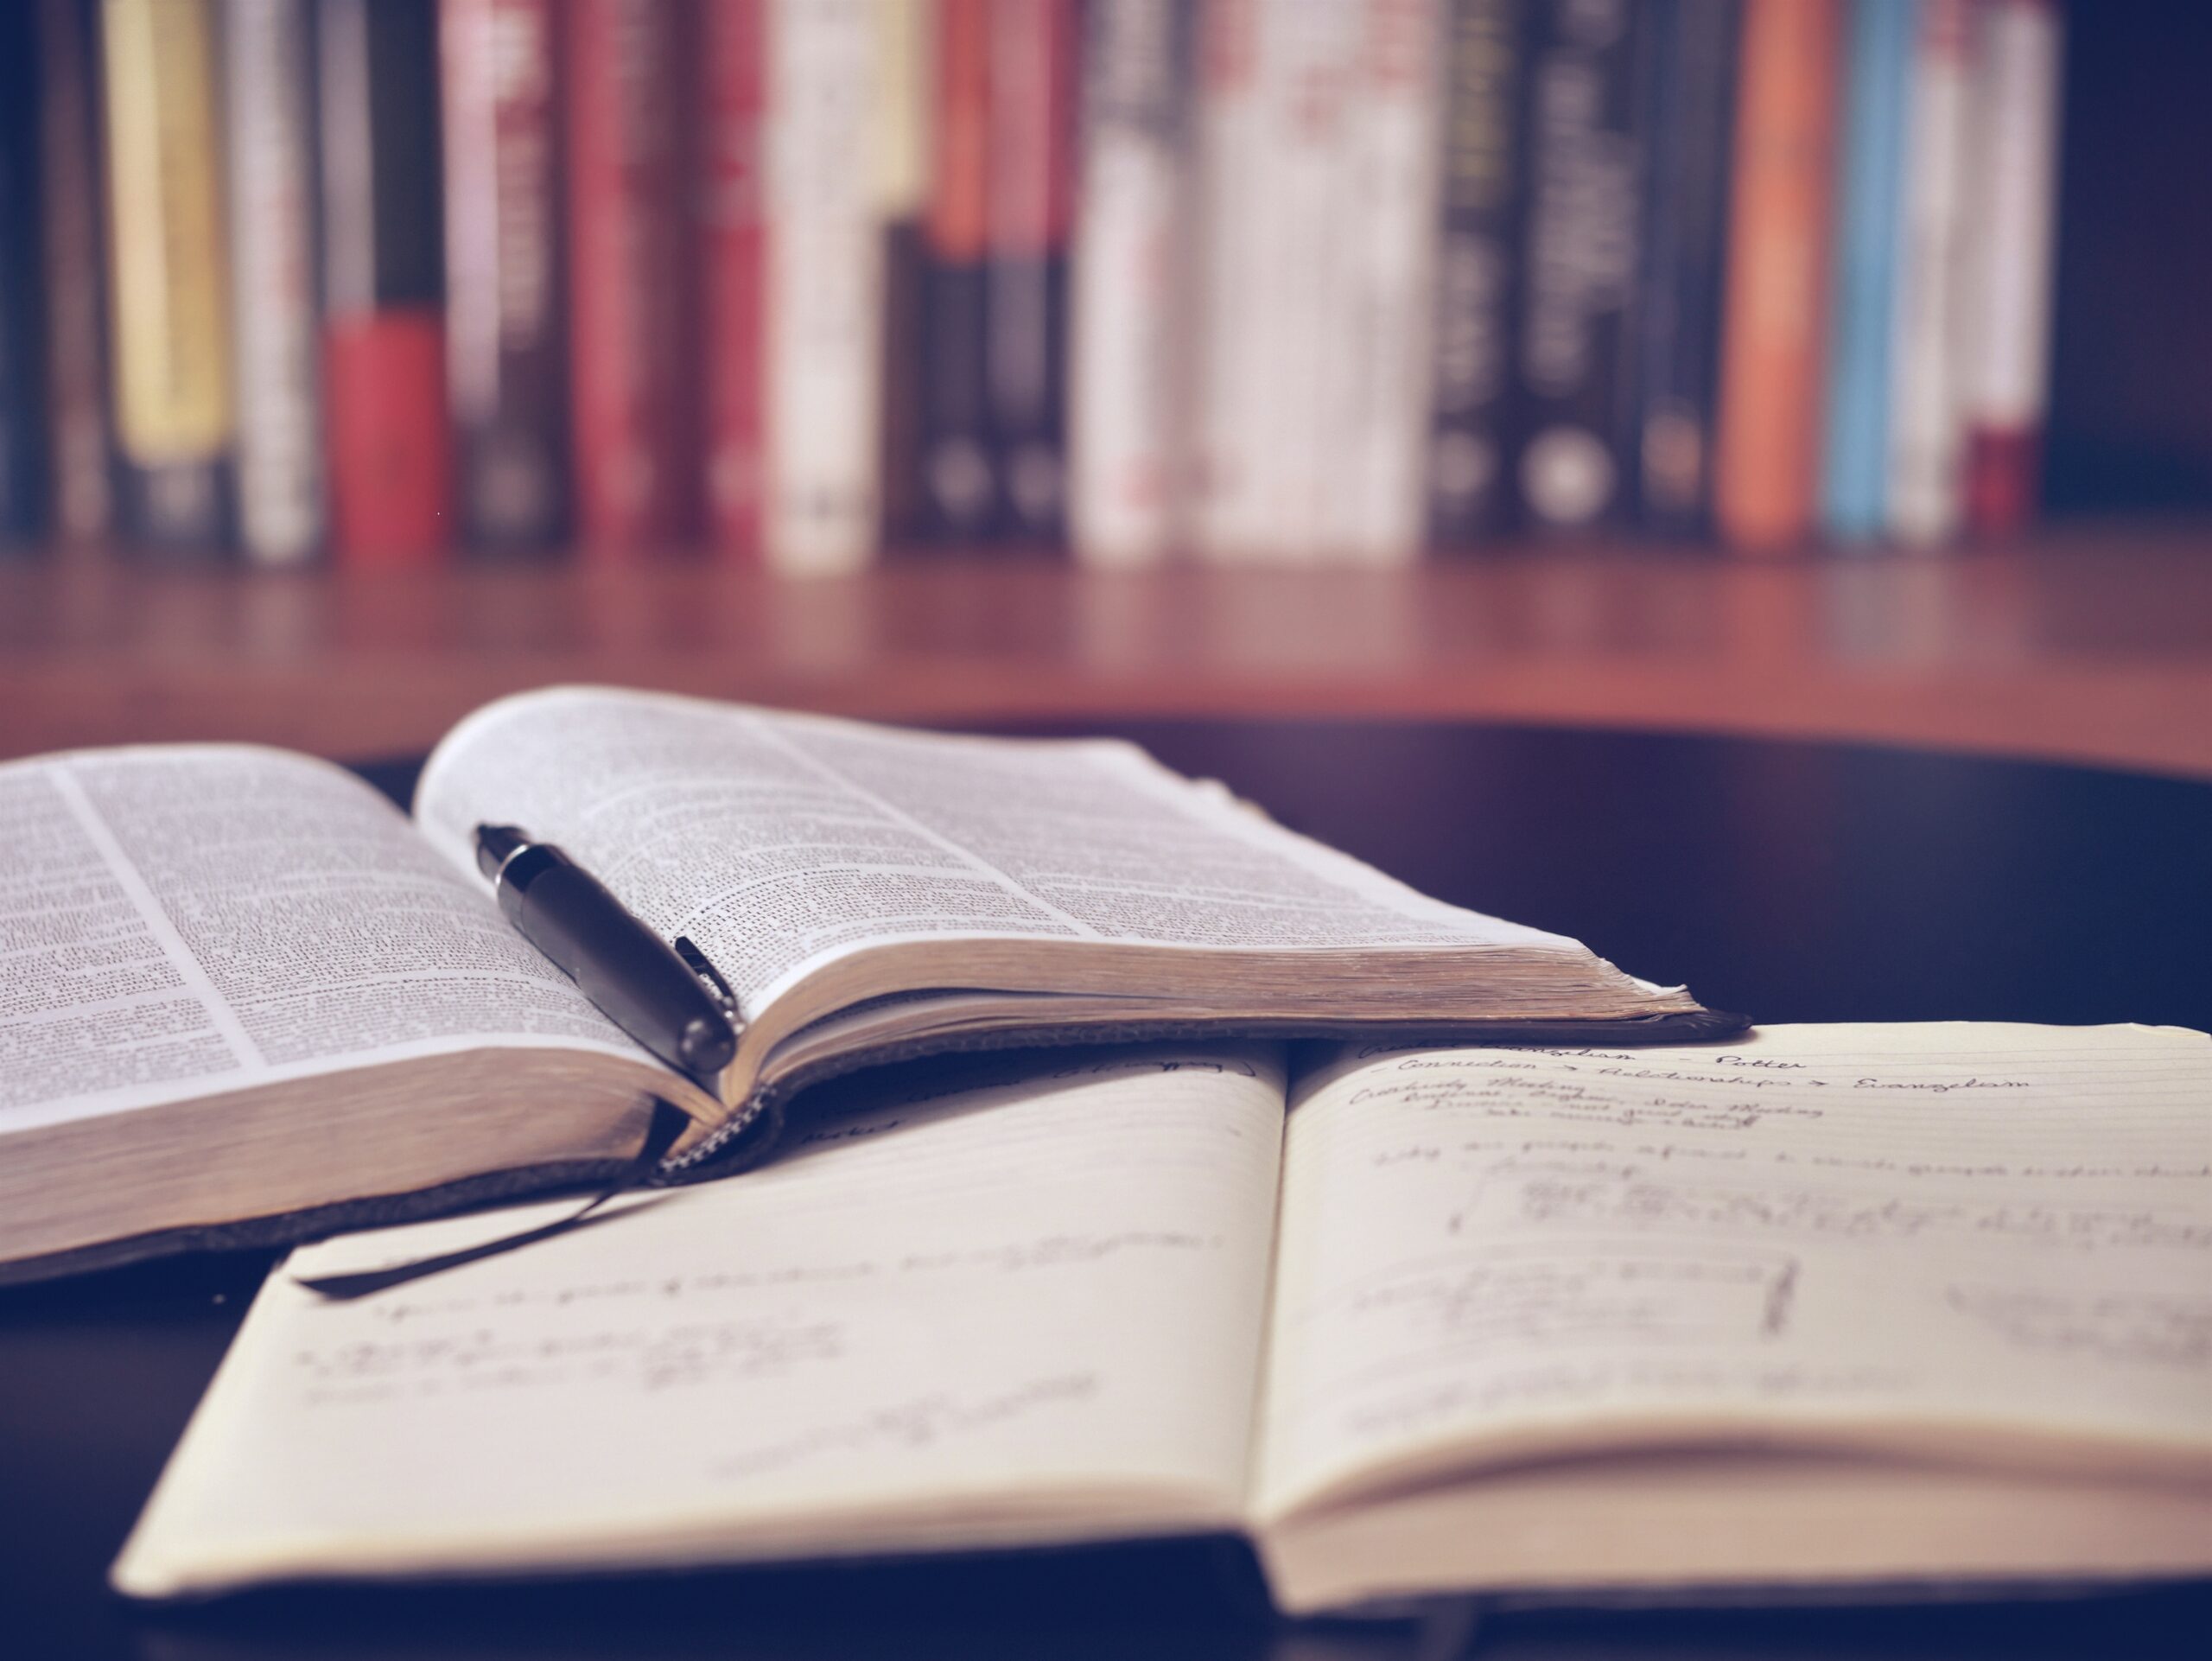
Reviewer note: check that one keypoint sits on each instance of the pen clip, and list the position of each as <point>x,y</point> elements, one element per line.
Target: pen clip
<point>709,976</point>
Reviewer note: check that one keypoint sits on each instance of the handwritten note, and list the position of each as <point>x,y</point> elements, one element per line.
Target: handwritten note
<point>1005,1306</point>
<point>2004,1227</point>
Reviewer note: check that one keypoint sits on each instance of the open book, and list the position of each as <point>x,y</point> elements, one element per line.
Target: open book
<point>1857,1307</point>
<point>243,998</point>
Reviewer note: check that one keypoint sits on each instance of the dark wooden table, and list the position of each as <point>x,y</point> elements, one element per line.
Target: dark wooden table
<point>1795,881</point>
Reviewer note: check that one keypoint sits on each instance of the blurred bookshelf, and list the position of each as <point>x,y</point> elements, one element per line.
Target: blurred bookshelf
<point>456,509</point>
<point>2090,642</point>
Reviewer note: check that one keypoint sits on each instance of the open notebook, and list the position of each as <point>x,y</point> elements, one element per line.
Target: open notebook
<point>243,999</point>
<point>1857,1307</point>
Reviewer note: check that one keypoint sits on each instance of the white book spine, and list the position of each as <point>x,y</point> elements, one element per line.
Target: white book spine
<point>1927,413</point>
<point>824,287</point>
<point>1227,440</point>
<point>2019,48</point>
<point>1376,399</point>
<point>1126,400</point>
<point>271,181</point>
<point>1307,51</point>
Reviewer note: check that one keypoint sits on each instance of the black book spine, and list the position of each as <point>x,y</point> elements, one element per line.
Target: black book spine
<point>906,273</point>
<point>1689,83</point>
<point>1470,495</point>
<point>1032,126</point>
<point>1581,254</point>
<point>23,421</point>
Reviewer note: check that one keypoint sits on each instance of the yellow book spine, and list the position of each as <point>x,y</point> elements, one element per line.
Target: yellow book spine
<point>173,394</point>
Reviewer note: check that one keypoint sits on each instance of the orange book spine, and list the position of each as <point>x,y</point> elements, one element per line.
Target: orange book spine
<point>1766,482</point>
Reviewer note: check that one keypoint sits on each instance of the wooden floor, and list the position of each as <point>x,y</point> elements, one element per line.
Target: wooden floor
<point>2090,643</point>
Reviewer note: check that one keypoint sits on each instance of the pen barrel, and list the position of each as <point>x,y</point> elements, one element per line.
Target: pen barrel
<point>622,966</point>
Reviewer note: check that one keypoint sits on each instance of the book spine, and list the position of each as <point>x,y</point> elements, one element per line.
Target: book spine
<point>825,288</point>
<point>1031,168</point>
<point>382,281</point>
<point>268,68</point>
<point>499,71</point>
<point>2006,314</point>
<point>1690,94</point>
<point>1376,397</point>
<point>80,455</point>
<point>1580,258</point>
<point>1477,271</point>
<point>1855,470</point>
<point>1766,462</point>
<point>903,151</point>
<point>632,270</point>
<point>959,479</point>
<point>733,254</point>
<point>1124,350</point>
<point>23,376</point>
<point>167,278</point>
<point>1228,482</point>
<point>1927,414</point>
<point>1302,197</point>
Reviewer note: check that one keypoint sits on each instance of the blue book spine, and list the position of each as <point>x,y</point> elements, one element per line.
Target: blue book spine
<point>1855,465</point>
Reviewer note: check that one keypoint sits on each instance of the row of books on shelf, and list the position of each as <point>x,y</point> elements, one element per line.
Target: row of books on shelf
<point>798,280</point>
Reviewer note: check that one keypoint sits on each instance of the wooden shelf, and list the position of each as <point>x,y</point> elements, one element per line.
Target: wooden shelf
<point>2091,643</point>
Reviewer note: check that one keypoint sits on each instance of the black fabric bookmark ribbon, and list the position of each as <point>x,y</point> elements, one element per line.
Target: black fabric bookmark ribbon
<point>667,1124</point>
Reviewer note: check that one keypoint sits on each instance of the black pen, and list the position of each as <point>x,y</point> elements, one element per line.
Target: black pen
<point>671,1000</point>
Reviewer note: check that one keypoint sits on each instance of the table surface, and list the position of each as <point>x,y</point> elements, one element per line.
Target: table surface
<point>1792,880</point>
<point>2086,642</point>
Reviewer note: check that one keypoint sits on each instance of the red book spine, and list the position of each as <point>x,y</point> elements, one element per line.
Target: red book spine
<point>734,255</point>
<point>632,340</point>
<point>505,320</point>
<point>390,441</point>
<point>391,461</point>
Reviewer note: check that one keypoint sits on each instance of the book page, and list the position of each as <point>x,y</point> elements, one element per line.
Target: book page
<point>180,920</point>
<point>1004,1307</point>
<point>1946,1238</point>
<point>778,841</point>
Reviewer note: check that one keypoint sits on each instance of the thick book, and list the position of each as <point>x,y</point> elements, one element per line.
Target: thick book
<point>168,273</point>
<point>231,938</point>
<point>1774,323</point>
<point>1477,272</point>
<point>823,293</point>
<point>1374,399</point>
<point>1927,436</point>
<point>1690,91</point>
<point>1127,388</point>
<point>1228,429</point>
<point>80,502</point>
<point>1581,256</point>
<point>1862,332</point>
<point>632,82</point>
<point>268,103</point>
<point>1823,1311</point>
<point>391,441</point>
<point>2005,312</point>
<point>506,303</point>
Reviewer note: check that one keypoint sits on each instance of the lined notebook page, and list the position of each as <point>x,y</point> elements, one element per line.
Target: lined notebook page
<point>1942,1235</point>
<point>1021,1312</point>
